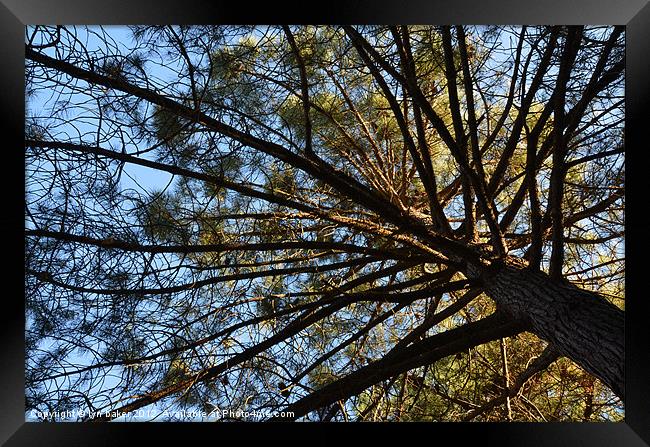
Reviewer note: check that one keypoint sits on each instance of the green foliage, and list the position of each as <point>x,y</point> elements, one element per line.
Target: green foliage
<point>160,218</point>
<point>177,372</point>
<point>321,376</point>
<point>167,125</point>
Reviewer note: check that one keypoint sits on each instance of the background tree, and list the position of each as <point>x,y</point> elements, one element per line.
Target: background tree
<point>345,223</point>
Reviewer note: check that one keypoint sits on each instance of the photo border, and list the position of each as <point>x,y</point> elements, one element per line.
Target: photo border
<point>15,14</point>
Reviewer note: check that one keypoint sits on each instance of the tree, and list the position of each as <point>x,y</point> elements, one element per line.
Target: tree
<point>348,223</point>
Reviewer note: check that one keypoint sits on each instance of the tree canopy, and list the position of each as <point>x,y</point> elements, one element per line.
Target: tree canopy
<point>350,223</point>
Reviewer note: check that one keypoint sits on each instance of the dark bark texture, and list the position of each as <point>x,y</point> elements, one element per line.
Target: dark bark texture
<point>582,325</point>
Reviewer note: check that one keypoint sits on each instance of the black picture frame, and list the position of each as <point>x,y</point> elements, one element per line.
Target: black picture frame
<point>15,14</point>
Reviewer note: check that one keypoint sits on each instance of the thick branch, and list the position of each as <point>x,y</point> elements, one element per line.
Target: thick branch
<point>425,352</point>
<point>304,87</point>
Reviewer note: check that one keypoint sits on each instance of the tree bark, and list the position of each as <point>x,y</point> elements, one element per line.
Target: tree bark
<point>582,325</point>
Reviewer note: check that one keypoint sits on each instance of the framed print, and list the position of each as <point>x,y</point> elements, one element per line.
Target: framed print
<point>283,220</point>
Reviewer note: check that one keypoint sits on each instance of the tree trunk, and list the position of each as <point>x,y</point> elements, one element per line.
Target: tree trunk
<point>582,325</point>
